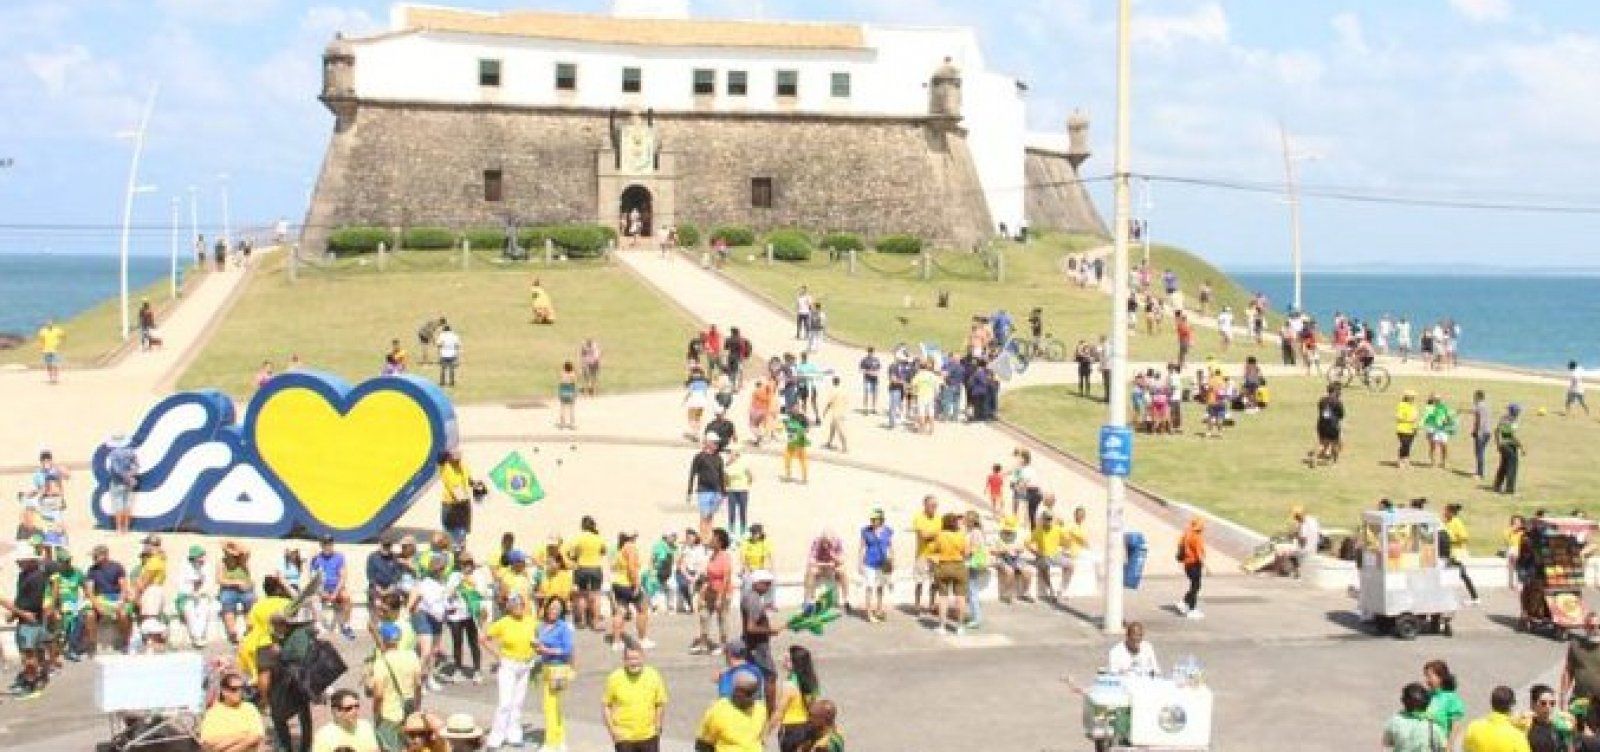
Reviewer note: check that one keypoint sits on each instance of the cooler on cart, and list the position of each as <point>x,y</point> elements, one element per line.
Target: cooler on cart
<point>1403,585</point>
<point>1552,566</point>
<point>1122,713</point>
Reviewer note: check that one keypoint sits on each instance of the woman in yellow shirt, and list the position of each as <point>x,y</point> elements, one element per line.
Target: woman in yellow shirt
<point>588,554</point>
<point>511,638</point>
<point>258,633</point>
<point>627,593</point>
<point>1516,527</point>
<point>949,554</point>
<point>756,553</point>
<point>1405,426</point>
<point>455,509</point>
<point>557,583</point>
<point>799,690</point>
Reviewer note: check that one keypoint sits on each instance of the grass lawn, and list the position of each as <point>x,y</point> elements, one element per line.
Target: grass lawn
<point>1255,473</point>
<point>341,318</point>
<point>95,333</point>
<point>871,306</point>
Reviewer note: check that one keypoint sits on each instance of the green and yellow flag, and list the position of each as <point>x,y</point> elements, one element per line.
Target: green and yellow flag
<point>515,478</point>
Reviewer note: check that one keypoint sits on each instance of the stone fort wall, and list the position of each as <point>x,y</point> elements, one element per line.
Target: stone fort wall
<point>1054,199</point>
<point>412,164</point>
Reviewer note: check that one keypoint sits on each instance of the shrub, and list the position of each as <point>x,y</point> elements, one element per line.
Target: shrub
<point>347,240</point>
<point>688,235</point>
<point>580,241</point>
<point>532,238</point>
<point>790,245</point>
<point>842,242</point>
<point>485,238</point>
<point>904,244</point>
<point>428,238</point>
<point>734,235</point>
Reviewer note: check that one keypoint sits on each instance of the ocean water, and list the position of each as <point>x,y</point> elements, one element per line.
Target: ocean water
<point>1538,322</point>
<point>35,287</point>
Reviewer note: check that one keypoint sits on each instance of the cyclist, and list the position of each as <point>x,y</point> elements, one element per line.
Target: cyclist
<point>1364,356</point>
<point>1036,325</point>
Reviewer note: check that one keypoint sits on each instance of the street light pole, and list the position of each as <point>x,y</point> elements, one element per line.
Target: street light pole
<point>194,220</point>
<point>1292,187</point>
<point>227,227</point>
<point>173,292</point>
<point>127,204</point>
<point>1117,396</point>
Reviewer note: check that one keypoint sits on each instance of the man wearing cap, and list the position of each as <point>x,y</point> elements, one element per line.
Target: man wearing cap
<point>28,611</point>
<point>877,564</point>
<point>347,730</point>
<point>1008,562</point>
<point>755,613</point>
<point>280,667</point>
<point>634,704</point>
<point>739,662</point>
<point>69,598</point>
<point>708,484</point>
<point>123,465</point>
<point>395,686</point>
<point>108,586</point>
<point>335,594</point>
<point>194,601</point>
<point>1511,450</point>
<point>462,733</point>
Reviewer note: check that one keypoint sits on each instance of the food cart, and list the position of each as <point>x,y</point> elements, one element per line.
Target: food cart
<point>1403,585</point>
<point>1130,712</point>
<point>1552,565</point>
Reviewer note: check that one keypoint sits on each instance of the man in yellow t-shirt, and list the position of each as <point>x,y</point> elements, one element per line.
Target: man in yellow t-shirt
<point>231,725</point>
<point>50,337</point>
<point>1049,545</point>
<point>1496,732</point>
<point>926,525</point>
<point>347,729</point>
<point>734,724</point>
<point>396,678</point>
<point>634,702</point>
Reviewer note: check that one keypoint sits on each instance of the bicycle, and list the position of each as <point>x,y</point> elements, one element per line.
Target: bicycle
<point>1374,377</point>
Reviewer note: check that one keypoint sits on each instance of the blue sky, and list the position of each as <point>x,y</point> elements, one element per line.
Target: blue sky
<point>1471,100</point>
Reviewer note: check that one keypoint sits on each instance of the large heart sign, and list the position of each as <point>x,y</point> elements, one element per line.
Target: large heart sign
<point>313,454</point>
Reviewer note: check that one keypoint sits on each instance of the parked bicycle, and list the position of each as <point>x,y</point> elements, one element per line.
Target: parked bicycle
<point>1348,371</point>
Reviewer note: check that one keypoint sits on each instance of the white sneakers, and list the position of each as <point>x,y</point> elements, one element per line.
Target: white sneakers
<point>1195,614</point>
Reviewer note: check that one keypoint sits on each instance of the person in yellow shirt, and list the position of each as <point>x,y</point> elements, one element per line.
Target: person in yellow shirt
<point>1405,427</point>
<point>511,637</point>
<point>735,724</point>
<point>1496,732</point>
<point>588,555</point>
<point>50,337</point>
<point>455,508</point>
<point>1455,529</point>
<point>756,553</point>
<point>515,580</point>
<point>949,555</point>
<point>1051,546</point>
<point>926,525</point>
<point>231,724</point>
<point>627,591</point>
<point>634,703</point>
<point>556,582</point>
<point>347,730</point>
<point>1516,528</point>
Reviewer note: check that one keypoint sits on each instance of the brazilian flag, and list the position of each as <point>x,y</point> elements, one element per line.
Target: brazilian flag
<point>515,478</point>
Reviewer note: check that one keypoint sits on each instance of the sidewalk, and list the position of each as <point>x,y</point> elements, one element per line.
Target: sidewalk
<point>71,417</point>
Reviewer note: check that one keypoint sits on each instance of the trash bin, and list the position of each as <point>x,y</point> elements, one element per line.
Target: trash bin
<point>1133,567</point>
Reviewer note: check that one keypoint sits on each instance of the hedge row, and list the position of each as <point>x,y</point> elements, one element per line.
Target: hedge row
<point>904,244</point>
<point>842,242</point>
<point>789,245</point>
<point>688,235</point>
<point>572,240</point>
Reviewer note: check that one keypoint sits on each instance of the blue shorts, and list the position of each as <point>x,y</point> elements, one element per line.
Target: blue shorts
<point>235,600</point>
<point>425,625</point>
<point>51,359</point>
<point>30,636</point>
<point>709,502</point>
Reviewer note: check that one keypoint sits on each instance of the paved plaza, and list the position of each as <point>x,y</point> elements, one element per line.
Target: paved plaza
<point>1286,660</point>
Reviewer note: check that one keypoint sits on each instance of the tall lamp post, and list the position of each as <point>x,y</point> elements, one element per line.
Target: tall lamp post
<point>127,204</point>
<point>227,227</point>
<point>1292,197</point>
<point>173,293</point>
<point>194,221</point>
<point>1117,398</point>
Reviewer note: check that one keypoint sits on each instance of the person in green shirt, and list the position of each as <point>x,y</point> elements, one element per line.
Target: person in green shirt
<point>68,596</point>
<point>1445,707</point>
<point>795,427</point>
<point>1439,425</point>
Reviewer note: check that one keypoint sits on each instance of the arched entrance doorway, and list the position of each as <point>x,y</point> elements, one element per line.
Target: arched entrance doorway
<point>635,218</point>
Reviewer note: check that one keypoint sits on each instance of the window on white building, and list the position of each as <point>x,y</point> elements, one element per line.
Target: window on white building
<point>493,185</point>
<point>705,82</point>
<point>632,80</point>
<point>738,83</point>
<point>788,83</point>
<point>488,72</point>
<point>841,85</point>
<point>566,77</point>
<point>761,193</point>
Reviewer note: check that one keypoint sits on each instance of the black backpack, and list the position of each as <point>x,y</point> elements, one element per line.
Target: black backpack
<point>321,667</point>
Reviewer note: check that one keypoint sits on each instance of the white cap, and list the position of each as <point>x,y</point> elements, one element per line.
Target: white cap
<point>761,575</point>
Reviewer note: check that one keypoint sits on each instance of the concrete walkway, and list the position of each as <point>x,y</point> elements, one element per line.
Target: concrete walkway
<point>72,417</point>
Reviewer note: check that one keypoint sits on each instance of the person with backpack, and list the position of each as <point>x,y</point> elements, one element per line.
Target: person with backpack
<point>284,670</point>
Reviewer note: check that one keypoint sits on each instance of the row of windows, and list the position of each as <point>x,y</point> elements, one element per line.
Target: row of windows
<point>494,189</point>
<point>787,82</point>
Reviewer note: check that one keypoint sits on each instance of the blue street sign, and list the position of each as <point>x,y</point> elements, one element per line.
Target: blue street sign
<point>1116,451</point>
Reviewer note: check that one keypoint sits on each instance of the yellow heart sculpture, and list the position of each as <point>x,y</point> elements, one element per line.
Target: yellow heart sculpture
<point>343,468</point>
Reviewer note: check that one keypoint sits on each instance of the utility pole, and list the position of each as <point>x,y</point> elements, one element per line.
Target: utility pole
<point>1292,189</point>
<point>227,227</point>
<point>1117,397</point>
<point>127,204</point>
<point>173,293</point>
<point>194,218</point>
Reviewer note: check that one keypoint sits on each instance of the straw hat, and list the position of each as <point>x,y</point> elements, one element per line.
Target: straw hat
<point>461,726</point>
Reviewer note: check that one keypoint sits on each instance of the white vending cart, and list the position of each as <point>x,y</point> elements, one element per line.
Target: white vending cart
<point>1403,586</point>
<point>150,699</point>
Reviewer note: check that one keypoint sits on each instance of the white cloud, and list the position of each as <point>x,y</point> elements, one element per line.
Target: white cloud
<point>1347,28</point>
<point>1483,11</point>
<point>220,11</point>
<point>53,68</point>
<point>1207,22</point>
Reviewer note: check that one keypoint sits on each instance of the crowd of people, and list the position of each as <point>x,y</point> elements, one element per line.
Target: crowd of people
<point>1433,714</point>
